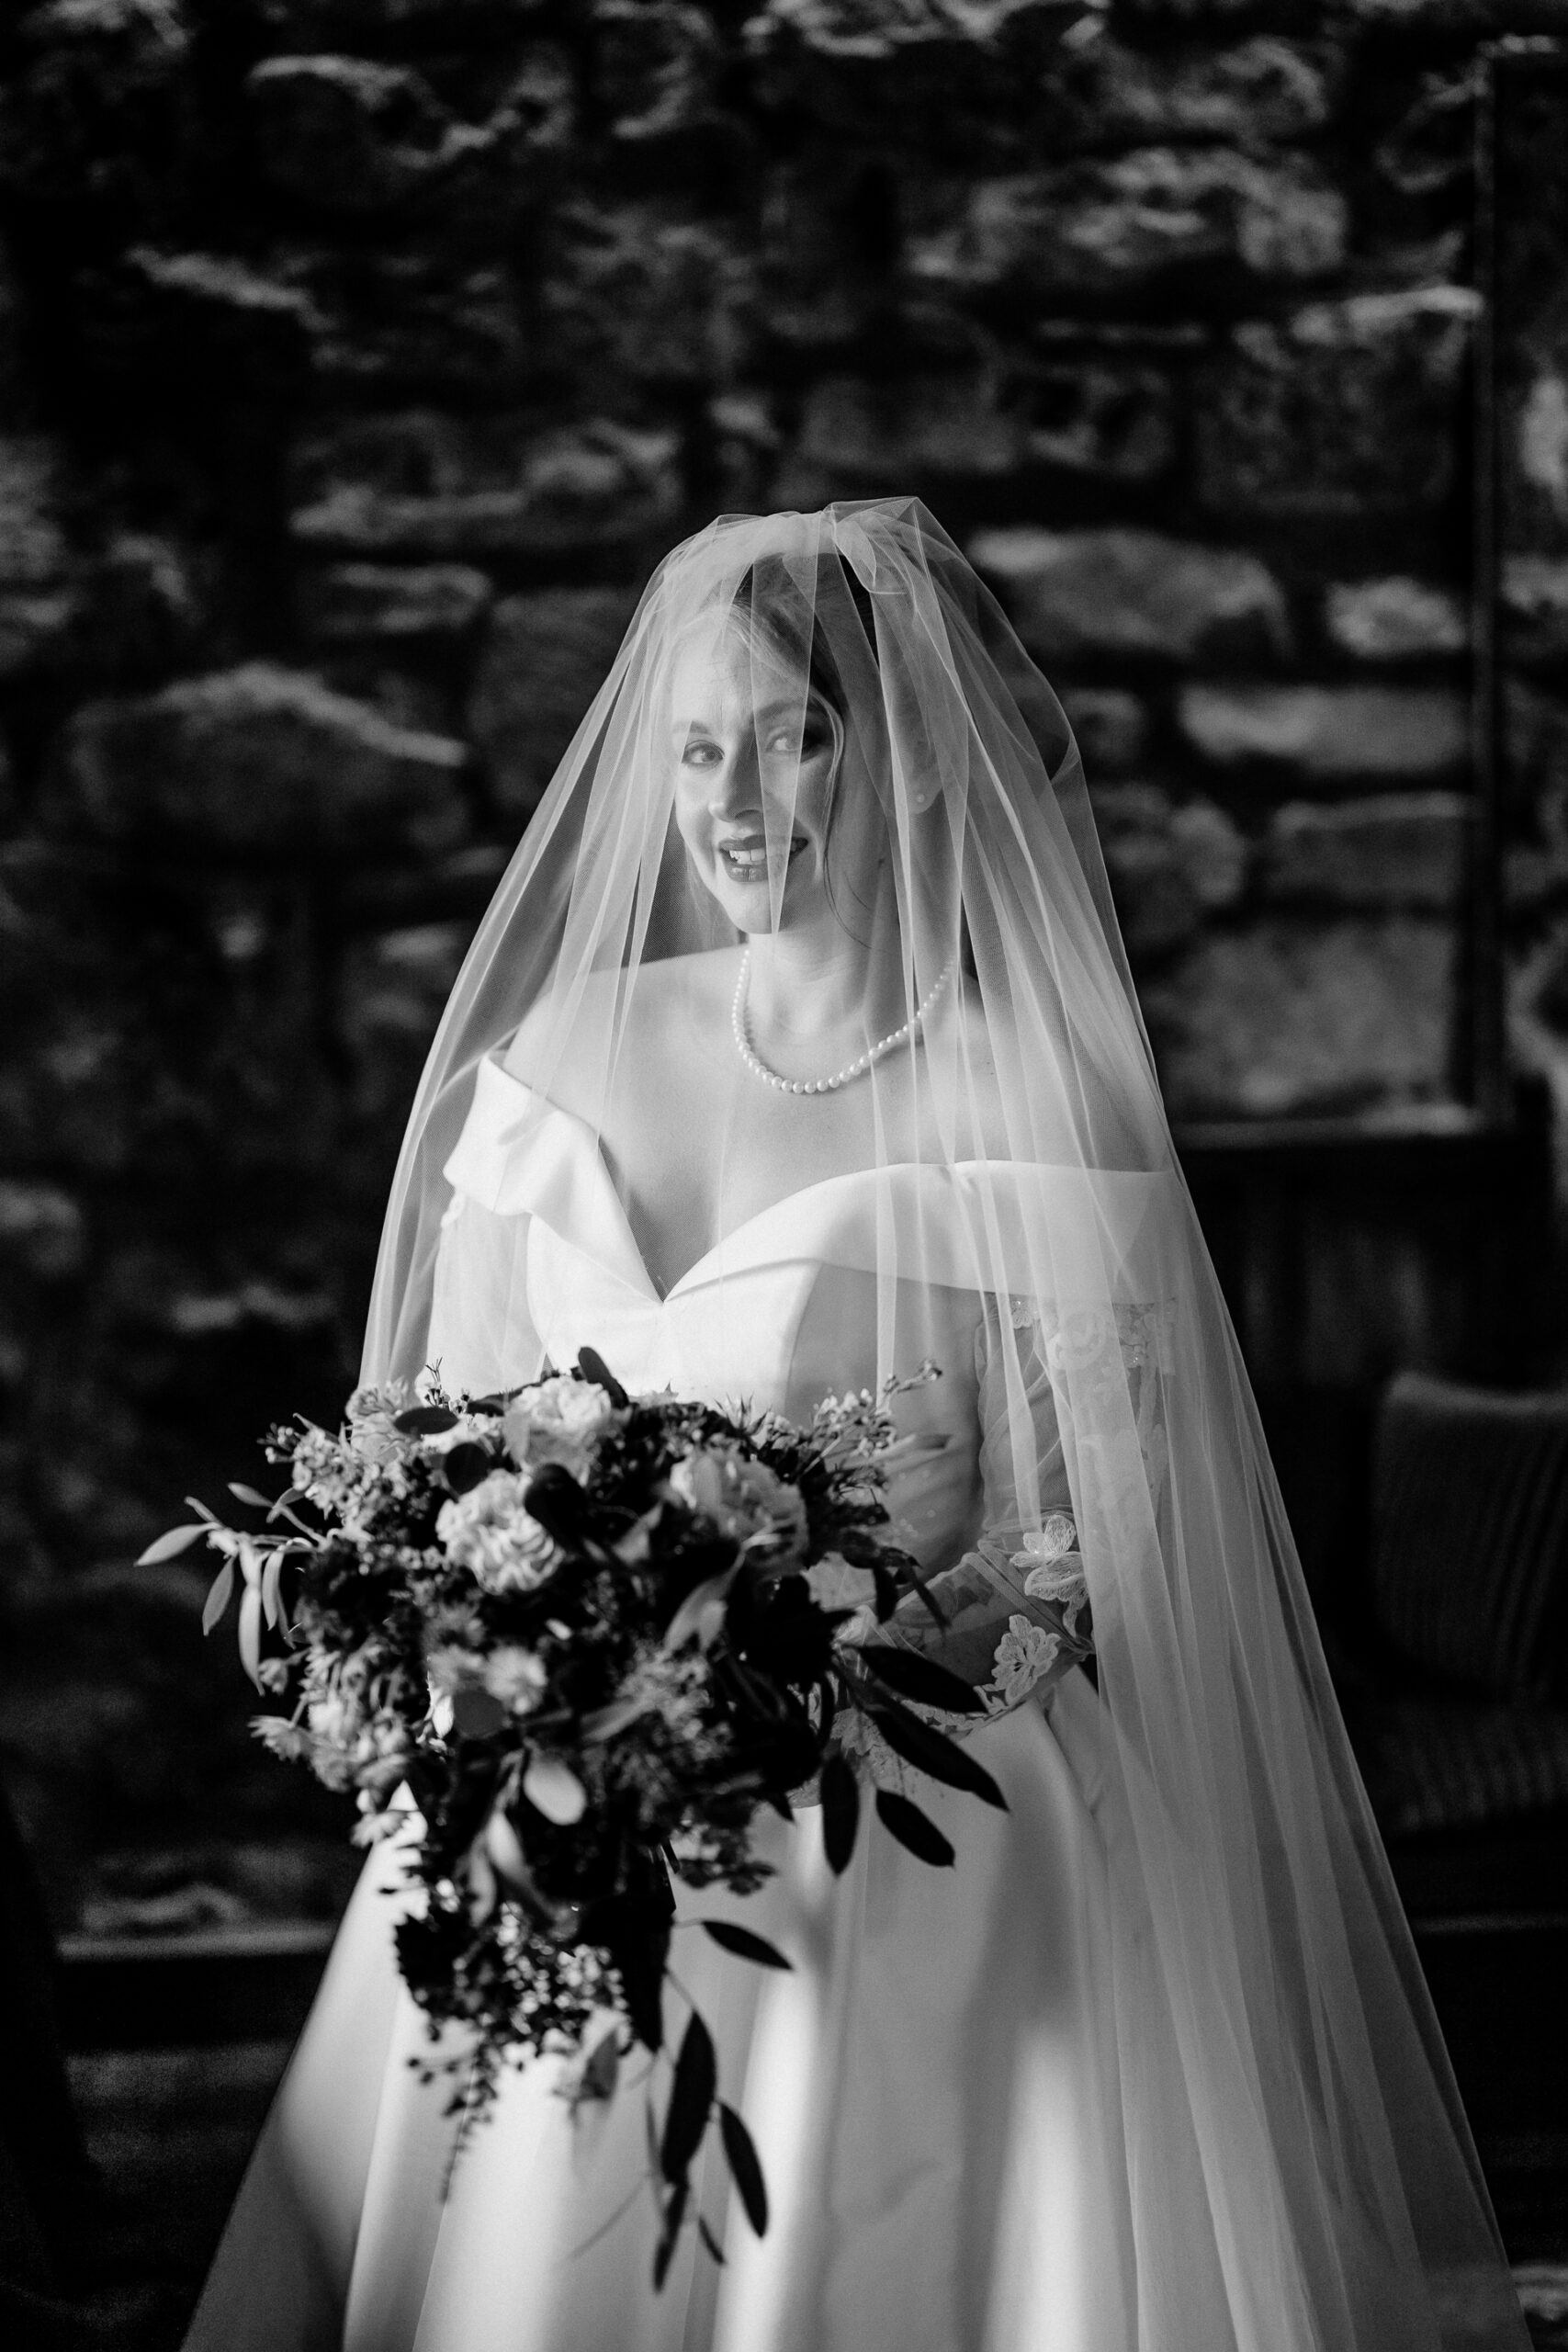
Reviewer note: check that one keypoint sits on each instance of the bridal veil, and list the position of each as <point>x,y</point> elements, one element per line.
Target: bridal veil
<point>1302,2106</point>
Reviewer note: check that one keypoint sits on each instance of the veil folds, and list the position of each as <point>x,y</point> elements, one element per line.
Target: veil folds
<point>1013,1147</point>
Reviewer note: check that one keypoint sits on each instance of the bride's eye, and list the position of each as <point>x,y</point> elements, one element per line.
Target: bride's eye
<point>698,752</point>
<point>798,742</point>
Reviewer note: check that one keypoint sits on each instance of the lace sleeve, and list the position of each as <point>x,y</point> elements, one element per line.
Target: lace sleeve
<point>1016,1606</point>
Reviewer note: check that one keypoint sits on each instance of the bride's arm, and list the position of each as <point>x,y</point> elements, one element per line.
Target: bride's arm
<point>1015,1604</point>
<point>481,1334</point>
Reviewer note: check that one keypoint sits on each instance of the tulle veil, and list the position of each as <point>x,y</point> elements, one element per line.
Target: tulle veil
<point>1303,2117</point>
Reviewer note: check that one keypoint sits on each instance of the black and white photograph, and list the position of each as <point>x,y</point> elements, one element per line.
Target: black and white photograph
<point>784,1175</point>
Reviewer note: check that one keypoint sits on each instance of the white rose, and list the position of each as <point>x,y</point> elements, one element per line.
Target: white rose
<point>560,1421</point>
<point>491,1533</point>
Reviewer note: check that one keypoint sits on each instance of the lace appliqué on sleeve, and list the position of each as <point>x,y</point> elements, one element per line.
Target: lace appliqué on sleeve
<point>1025,1656</point>
<point>1014,1608</point>
<point>1102,1356</point>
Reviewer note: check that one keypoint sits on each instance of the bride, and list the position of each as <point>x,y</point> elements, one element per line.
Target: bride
<point>798,1048</point>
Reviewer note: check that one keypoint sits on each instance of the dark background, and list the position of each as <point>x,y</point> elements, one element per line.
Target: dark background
<point>357,359</point>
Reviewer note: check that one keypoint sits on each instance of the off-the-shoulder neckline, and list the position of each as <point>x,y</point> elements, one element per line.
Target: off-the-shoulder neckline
<point>606,1217</point>
<point>521,1149</point>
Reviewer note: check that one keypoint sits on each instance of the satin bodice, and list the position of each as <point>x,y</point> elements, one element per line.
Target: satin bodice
<point>783,1311</point>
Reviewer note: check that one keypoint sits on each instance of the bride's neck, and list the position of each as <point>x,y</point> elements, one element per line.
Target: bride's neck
<point>809,983</point>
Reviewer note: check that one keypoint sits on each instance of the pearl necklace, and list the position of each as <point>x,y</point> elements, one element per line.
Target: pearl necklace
<point>863,1062</point>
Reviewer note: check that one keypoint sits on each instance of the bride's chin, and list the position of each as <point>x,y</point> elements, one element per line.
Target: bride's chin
<point>749,905</point>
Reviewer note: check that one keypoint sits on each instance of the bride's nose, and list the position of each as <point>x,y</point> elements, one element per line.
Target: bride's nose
<point>737,781</point>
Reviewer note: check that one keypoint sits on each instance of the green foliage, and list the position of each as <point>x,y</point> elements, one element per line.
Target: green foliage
<point>562,1645</point>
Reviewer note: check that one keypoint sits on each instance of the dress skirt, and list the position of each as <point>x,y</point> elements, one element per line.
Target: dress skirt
<point>935,2092</point>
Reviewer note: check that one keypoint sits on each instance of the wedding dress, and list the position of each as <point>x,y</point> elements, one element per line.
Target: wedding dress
<point>1152,2067</point>
<point>933,2089</point>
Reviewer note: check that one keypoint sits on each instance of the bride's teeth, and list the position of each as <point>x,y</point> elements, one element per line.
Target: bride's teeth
<point>751,858</point>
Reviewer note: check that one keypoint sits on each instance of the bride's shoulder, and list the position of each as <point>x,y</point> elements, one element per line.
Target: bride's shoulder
<point>668,997</point>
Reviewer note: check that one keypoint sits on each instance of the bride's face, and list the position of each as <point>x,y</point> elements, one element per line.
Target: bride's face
<point>755,753</point>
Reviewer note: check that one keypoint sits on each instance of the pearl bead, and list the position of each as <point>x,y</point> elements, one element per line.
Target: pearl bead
<point>884,1046</point>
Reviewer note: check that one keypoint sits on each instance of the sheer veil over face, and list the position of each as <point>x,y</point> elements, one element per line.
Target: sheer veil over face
<point>824,800</point>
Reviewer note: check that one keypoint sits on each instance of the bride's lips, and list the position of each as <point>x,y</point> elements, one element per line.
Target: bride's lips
<point>744,857</point>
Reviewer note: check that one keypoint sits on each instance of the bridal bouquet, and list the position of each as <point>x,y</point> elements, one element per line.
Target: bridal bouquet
<point>564,1644</point>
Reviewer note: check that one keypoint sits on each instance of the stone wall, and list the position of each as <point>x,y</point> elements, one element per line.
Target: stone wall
<point>357,358</point>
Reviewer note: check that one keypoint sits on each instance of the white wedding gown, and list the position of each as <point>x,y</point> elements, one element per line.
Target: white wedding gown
<point>941,2094</point>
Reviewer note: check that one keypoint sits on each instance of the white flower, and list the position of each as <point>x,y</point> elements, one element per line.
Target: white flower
<point>468,1428</point>
<point>473,1692</point>
<point>330,1474</point>
<point>835,1585</point>
<point>1025,1652</point>
<point>490,1532</point>
<point>515,1677</point>
<point>744,1499</point>
<point>561,1421</point>
<point>371,1412</point>
<point>333,1718</point>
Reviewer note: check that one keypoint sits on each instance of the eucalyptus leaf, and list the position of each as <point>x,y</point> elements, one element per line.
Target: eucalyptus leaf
<point>709,2241</point>
<point>840,1792</point>
<point>243,1494</point>
<point>913,1828</point>
<point>932,1752</point>
<point>591,1365</point>
<point>744,1944</point>
<point>745,2169</point>
<point>674,2213</point>
<point>170,1546</point>
<point>218,1599</point>
<point>920,1679</point>
<point>426,1420</point>
<point>701,1614</point>
<point>553,1789</point>
<point>504,1848</point>
<point>690,2100</point>
<point>272,1579</point>
<point>250,1633</point>
<point>465,1466</point>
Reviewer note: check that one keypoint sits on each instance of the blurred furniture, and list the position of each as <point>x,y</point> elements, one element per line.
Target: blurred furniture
<point>1350,1249</point>
<point>1453,1674</point>
<point>1457,1693</point>
<point>71,2278</point>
